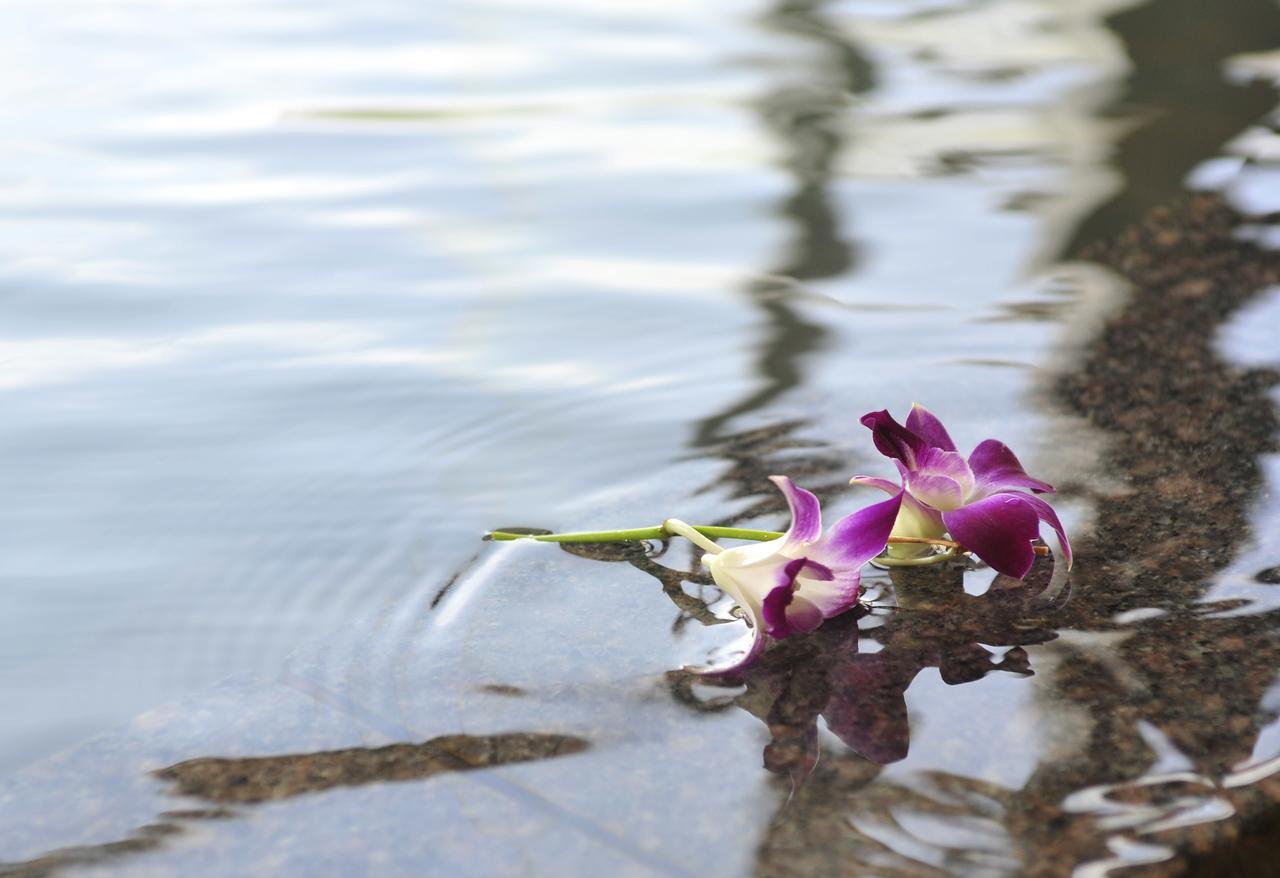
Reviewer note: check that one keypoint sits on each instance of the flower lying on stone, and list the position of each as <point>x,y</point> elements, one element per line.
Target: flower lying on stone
<point>791,584</point>
<point>977,500</point>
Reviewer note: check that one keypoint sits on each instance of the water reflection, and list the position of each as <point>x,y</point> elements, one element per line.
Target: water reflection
<point>253,780</point>
<point>1181,106</point>
<point>808,119</point>
<point>267,778</point>
<point>861,695</point>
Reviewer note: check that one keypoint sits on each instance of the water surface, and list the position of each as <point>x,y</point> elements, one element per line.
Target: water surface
<point>301,298</point>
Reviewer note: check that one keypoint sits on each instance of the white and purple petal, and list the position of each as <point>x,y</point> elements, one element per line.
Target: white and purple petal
<point>999,530</point>
<point>807,593</point>
<point>938,492</point>
<point>885,485</point>
<point>948,464</point>
<point>833,596</point>
<point>926,425</point>
<point>997,468</point>
<point>806,513</point>
<point>787,613</point>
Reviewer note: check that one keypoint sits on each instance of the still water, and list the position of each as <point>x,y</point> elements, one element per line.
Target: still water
<point>299,299</point>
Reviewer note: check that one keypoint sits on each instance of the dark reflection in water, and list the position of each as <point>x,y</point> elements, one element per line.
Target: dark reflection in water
<point>758,453</point>
<point>265,778</point>
<point>1185,108</point>
<point>809,118</point>
<point>861,696</point>
<point>254,780</point>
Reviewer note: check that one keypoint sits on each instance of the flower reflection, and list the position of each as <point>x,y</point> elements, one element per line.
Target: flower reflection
<point>861,695</point>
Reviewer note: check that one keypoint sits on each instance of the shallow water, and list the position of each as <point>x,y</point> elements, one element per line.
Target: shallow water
<point>302,298</point>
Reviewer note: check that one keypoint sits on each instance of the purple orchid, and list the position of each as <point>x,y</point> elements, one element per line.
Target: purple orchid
<point>791,584</point>
<point>978,500</point>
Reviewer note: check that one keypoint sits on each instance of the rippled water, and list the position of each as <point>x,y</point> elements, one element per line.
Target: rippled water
<point>300,299</point>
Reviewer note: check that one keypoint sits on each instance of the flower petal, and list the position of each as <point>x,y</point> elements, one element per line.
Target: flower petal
<point>806,513</point>
<point>926,425</point>
<point>857,538</point>
<point>751,609</point>
<point>873,482</point>
<point>832,596</point>
<point>746,583</point>
<point>999,530</point>
<point>798,617</point>
<point>939,492</point>
<point>997,468</point>
<point>1049,517</point>
<point>917,520</point>
<point>789,608</point>
<point>893,439</point>
<point>936,462</point>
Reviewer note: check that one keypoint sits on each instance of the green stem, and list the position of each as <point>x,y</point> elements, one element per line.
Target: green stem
<point>638,533</point>
<point>703,537</point>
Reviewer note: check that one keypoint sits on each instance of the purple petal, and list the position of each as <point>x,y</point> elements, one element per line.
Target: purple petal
<point>893,439</point>
<point>926,425</point>
<point>999,530</point>
<point>857,538</point>
<point>773,609</point>
<point>806,512</point>
<point>997,468</point>
<point>872,482</point>
<point>783,611</point>
<point>816,571</point>
<point>1049,517</point>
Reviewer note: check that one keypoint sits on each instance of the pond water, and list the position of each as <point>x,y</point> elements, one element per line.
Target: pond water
<point>300,299</point>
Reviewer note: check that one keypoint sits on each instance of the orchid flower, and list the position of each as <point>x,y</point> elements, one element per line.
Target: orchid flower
<point>791,584</point>
<point>978,500</point>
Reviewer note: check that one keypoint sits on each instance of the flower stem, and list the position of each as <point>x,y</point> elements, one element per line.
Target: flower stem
<point>886,561</point>
<point>703,535</point>
<point>638,533</point>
